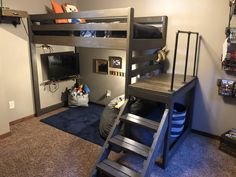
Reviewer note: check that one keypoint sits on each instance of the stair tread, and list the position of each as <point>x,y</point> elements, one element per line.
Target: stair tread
<point>137,120</point>
<point>117,170</point>
<point>130,145</point>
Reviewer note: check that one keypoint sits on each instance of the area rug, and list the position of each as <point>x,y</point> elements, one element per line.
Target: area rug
<point>80,121</point>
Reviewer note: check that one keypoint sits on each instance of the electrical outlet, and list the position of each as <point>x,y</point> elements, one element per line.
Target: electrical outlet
<point>11,104</point>
<point>108,93</point>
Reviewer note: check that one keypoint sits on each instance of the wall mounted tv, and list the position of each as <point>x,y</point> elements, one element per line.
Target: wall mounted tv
<point>61,65</point>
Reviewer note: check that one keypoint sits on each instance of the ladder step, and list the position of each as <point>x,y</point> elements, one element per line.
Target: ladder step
<point>130,145</point>
<point>140,121</point>
<point>116,170</point>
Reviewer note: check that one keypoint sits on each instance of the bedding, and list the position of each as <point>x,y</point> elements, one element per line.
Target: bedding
<point>140,32</point>
<point>146,31</point>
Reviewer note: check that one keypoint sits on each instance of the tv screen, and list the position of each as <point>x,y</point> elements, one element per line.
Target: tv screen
<point>62,65</point>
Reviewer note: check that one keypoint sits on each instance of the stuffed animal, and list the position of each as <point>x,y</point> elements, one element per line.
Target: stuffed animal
<point>71,8</point>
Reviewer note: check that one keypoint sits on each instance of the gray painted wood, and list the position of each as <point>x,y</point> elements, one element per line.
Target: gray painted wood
<point>191,107</point>
<point>130,145</point>
<point>78,27</point>
<point>106,147</point>
<point>140,121</point>
<point>161,84</point>
<point>105,43</point>
<point>143,58</point>
<point>129,49</point>
<point>111,43</point>
<point>156,145</point>
<point>150,20</point>
<point>145,69</point>
<point>166,142</point>
<point>34,68</point>
<point>144,44</point>
<point>164,28</point>
<point>149,95</point>
<point>183,91</point>
<point>114,169</point>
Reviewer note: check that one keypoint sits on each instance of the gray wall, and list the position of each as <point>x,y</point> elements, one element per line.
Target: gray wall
<point>48,98</point>
<point>4,126</point>
<point>100,83</point>
<point>209,17</point>
<point>15,71</point>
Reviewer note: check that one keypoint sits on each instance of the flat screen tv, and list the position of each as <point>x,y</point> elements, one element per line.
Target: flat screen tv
<point>61,65</point>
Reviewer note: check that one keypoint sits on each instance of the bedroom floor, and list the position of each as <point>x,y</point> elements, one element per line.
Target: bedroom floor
<point>36,149</point>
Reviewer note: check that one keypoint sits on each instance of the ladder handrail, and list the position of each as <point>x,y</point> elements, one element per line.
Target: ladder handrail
<point>103,153</point>
<point>189,33</point>
<point>158,137</point>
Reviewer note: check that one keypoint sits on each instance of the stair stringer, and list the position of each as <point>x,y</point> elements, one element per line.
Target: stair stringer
<point>105,149</point>
<point>156,145</point>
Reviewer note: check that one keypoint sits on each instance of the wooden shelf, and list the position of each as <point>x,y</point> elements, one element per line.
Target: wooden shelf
<point>10,16</point>
<point>14,13</point>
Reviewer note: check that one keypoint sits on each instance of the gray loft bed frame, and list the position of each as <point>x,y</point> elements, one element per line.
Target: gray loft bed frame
<point>155,88</point>
<point>36,23</point>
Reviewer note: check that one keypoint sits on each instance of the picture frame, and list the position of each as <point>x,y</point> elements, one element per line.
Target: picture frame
<point>115,62</point>
<point>101,66</point>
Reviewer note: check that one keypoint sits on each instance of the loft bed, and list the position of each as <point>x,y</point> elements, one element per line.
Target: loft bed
<point>165,88</point>
<point>44,30</point>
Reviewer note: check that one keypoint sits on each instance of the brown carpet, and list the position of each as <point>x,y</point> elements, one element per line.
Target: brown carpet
<point>38,150</point>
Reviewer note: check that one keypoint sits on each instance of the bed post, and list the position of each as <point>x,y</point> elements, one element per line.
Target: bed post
<point>166,150</point>
<point>34,70</point>
<point>164,29</point>
<point>129,49</point>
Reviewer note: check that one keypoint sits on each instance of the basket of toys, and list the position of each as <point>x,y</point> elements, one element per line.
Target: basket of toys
<point>78,95</point>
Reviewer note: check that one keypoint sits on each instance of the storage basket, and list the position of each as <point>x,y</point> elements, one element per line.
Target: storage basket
<point>178,120</point>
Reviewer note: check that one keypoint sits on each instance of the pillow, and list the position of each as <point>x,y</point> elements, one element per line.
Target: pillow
<point>58,9</point>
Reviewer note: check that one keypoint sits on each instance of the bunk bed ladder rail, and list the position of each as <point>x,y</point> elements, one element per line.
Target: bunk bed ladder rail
<point>106,147</point>
<point>156,145</point>
<point>189,33</point>
<point>150,154</point>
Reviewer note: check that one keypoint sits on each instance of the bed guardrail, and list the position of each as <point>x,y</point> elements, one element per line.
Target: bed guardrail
<point>189,33</point>
<point>93,14</point>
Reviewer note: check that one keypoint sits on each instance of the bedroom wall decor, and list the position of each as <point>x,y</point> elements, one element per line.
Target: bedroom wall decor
<point>117,73</point>
<point>115,62</point>
<point>101,66</point>
<point>226,87</point>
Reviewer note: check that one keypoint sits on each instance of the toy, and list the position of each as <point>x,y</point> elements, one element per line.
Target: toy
<point>71,8</point>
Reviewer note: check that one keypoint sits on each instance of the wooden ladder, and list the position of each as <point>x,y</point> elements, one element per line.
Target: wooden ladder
<point>111,168</point>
